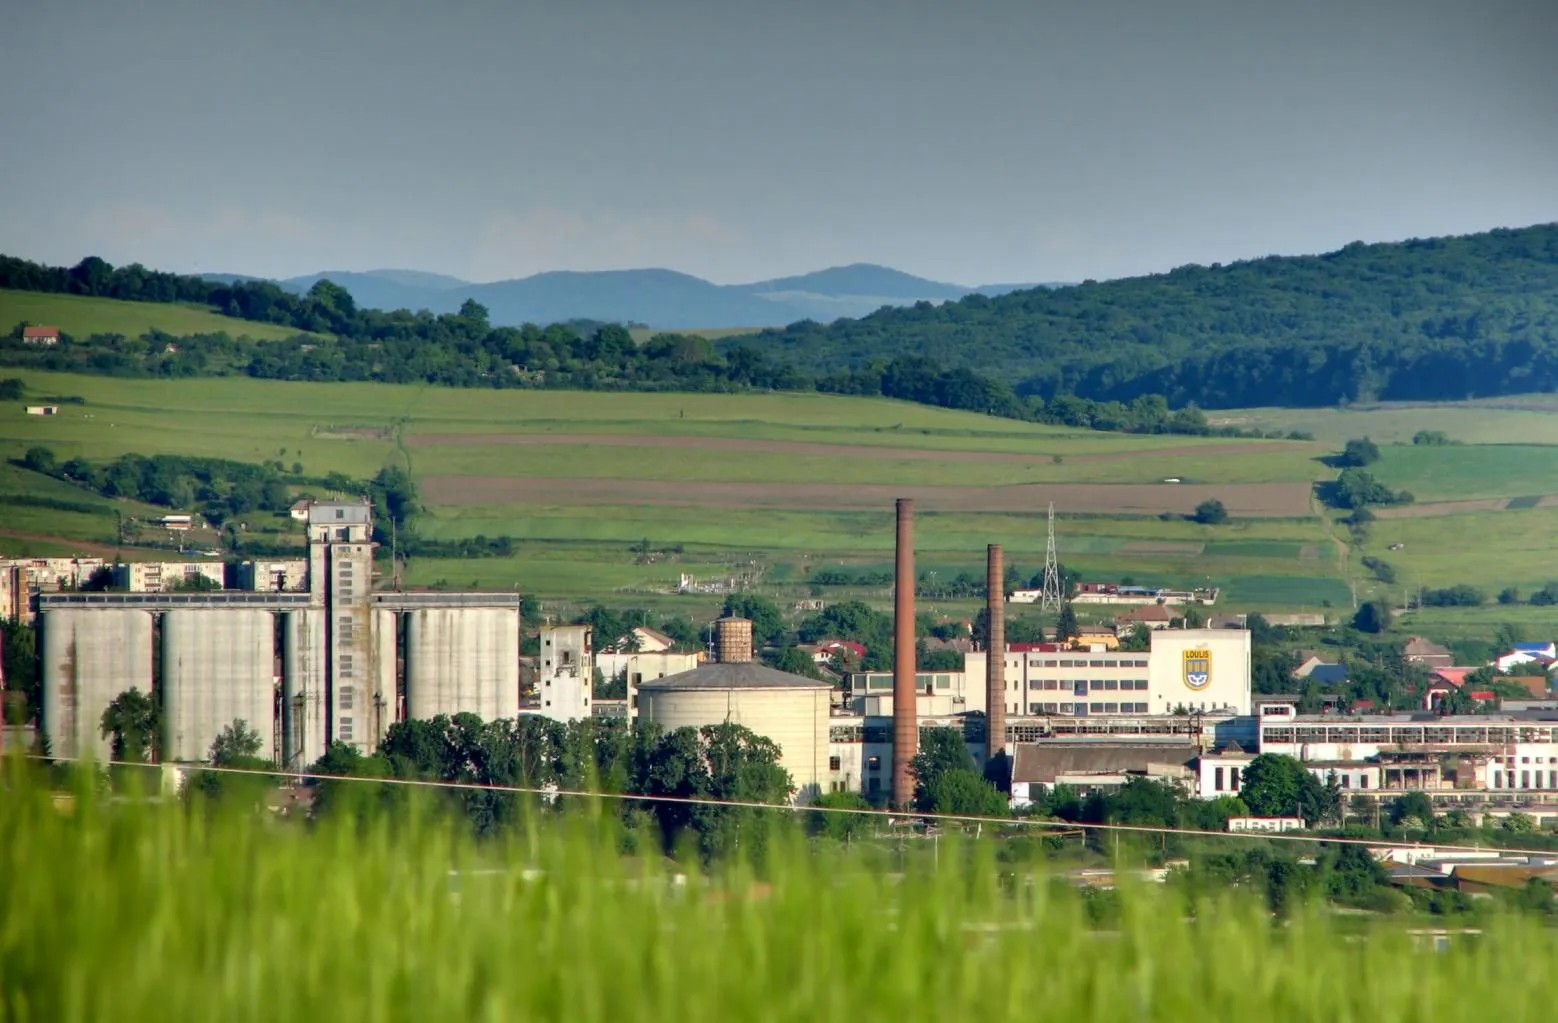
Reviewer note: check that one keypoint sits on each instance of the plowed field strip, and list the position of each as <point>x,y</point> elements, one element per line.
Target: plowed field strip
<point>793,448</point>
<point>1244,499</point>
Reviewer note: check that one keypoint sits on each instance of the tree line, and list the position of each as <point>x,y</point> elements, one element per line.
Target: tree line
<point>337,341</point>
<point>1427,319</point>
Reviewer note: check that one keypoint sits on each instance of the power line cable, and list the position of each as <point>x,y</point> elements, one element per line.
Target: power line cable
<point>889,815</point>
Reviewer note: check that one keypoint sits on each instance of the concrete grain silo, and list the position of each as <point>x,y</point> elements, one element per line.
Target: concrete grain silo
<point>304,699</point>
<point>218,666</point>
<point>789,709</point>
<point>462,660</point>
<point>89,658</point>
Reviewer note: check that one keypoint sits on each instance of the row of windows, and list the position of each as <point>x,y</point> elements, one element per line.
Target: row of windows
<point>1081,686</point>
<point>346,729</point>
<point>1032,663</point>
<point>1528,780</point>
<point>1087,708</point>
<point>1232,777</point>
<point>1389,735</point>
<point>344,696</point>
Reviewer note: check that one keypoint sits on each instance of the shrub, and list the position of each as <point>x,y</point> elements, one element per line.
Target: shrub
<point>1358,452</point>
<point>1210,512</point>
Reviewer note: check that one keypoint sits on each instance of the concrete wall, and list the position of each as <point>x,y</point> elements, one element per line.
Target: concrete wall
<point>1228,681</point>
<point>90,657</point>
<point>218,666</point>
<point>796,719</point>
<point>462,660</point>
<point>304,699</point>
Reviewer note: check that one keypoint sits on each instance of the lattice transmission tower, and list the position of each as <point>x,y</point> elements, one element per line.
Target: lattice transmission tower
<point>1050,599</point>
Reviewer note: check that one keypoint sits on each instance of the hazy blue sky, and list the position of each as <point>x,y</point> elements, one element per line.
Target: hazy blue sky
<point>977,141</point>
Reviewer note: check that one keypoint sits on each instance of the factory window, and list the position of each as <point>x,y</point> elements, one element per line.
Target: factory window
<point>834,763</point>
<point>346,729</point>
<point>1033,708</point>
<point>874,763</point>
<point>1111,664</point>
<point>1051,664</point>
<point>1067,708</point>
<point>1079,687</point>
<point>1108,683</point>
<point>346,697</point>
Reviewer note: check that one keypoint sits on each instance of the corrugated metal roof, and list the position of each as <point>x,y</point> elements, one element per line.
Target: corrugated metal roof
<point>733,675</point>
<point>1041,763</point>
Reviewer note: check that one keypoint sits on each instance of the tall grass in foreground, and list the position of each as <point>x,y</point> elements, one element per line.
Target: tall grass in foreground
<point>130,911</point>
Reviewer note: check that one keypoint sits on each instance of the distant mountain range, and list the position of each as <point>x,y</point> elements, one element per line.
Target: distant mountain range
<point>664,299</point>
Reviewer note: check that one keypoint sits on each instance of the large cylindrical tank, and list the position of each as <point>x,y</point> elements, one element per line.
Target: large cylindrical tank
<point>218,668</point>
<point>302,688</point>
<point>90,656</point>
<point>462,660</point>
<point>733,640</point>
<point>795,719</point>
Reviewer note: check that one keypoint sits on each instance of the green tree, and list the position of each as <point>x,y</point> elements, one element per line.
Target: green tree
<point>964,793</point>
<point>1413,809</point>
<point>41,459</point>
<point>1066,623</point>
<point>1372,617</point>
<point>942,750</point>
<point>1280,786</point>
<point>23,695</point>
<point>1211,512</point>
<point>1359,452</point>
<point>234,743</point>
<point>833,817</point>
<point>794,660</point>
<point>768,628</point>
<point>132,722</point>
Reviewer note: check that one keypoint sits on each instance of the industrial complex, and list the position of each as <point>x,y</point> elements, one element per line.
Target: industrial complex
<point>308,653</point>
<point>304,665</point>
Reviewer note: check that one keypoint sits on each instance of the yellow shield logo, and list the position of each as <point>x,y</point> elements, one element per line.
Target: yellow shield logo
<point>1198,669</point>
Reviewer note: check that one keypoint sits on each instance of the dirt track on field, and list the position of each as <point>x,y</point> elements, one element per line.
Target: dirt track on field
<point>803,448</point>
<point>1243,499</point>
<point>1435,508</point>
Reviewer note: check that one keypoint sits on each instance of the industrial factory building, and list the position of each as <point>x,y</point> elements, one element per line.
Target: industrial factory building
<point>303,667</point>
<point>791,710</point>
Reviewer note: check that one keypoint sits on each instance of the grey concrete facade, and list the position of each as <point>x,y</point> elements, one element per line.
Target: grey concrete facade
<point>342,677</point>
<point>89,658</point>
<point>462,660</point>
<point>218,668</point>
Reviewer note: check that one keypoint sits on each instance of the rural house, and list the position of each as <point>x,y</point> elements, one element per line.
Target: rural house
<point>41,335</point>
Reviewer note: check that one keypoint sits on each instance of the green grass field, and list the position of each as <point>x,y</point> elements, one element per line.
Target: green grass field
<point>575,548</point>
<point>80,316</point>
<point>157,912</point>
<point>1513,419</point>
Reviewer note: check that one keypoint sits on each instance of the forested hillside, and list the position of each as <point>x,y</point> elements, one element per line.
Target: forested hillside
<point>1444,318</point>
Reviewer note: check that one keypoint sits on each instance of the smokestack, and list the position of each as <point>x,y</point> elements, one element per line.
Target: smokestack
<point>995,652</point>
<point>906,721</point>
